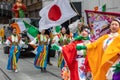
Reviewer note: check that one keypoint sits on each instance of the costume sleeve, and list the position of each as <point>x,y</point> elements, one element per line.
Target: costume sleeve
<point>96,42</point>
<point>87,67</point>
<point>14,8</point>
<point>94,54</point>
<point>69,52</point>
<point>21,42</point>
<point>7,42</point>
<point>34,41</point>
<point>55,39</point>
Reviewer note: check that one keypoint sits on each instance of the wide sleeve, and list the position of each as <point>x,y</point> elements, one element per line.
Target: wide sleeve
<point>69,52</point>
<point>95,53</point>
<point>55,39</point>
<point>7,42</point>
<point>96,42</point>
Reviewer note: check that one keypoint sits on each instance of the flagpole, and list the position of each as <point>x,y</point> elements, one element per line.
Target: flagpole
<point>74,8</point>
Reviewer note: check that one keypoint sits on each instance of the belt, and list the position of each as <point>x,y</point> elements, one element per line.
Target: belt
<point>80,56</point>
<point>14,43</point>
<point>42,43</point>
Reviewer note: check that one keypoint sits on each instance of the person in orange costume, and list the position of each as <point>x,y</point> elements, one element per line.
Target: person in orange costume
<point>17,7</point>
<point>104,53</point>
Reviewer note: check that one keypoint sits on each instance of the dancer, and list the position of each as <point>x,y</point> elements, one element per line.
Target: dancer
<point>40,61</point>
<point>75,59</point>
<point>103,54</point>
<point>14,42</point>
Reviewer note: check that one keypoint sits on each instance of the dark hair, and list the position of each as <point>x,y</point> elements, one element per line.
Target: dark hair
<point>13,28</point>
<point>84,27</point>
<point>117,20</point>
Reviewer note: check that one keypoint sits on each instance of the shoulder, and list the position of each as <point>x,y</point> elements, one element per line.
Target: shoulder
<point>104,36</point>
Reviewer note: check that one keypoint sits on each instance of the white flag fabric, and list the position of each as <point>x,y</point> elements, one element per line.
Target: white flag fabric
<point>55,14</point>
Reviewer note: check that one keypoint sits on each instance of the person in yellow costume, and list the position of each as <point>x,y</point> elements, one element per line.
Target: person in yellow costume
<point>104,53</point>
<point>3,33</point>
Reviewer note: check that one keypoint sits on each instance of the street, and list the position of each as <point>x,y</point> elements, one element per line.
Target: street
<point>27,71</point>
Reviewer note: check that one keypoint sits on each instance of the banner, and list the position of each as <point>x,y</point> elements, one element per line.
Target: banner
<point>99,22</point>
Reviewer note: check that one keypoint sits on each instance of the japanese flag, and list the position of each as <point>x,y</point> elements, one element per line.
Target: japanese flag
<point>55,14</point>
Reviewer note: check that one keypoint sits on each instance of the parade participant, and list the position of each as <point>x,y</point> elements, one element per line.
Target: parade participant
<point>104,53</point>
<point>40,61</point>
<point>3,33</point>
<point>19,8</point>
<point>61,39</point>
<point>77,33</point>
<point>75,27</point>
<point>14,42</point>
<point>75,59</point>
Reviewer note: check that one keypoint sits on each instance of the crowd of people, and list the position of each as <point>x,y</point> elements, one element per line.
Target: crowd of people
<point>79,58</point>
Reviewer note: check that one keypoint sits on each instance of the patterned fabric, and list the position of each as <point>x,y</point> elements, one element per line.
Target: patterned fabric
<point>65,73</point>
<point>81,68</point>
<point>41,57</point>
<point>14,52</point>
<point>102,57</point>
<point>61,61</point>
<point>13,57</point>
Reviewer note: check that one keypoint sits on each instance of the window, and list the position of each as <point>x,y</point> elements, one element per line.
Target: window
<point>31,1</point>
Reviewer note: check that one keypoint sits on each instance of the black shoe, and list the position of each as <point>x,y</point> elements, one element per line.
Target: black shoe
<point>42,70</point>
<point>49,63</point>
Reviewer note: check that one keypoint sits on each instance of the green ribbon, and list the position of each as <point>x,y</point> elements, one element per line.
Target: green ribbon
<point>79,47</point>
<point>55,47</point>
<point>82,38</point>
<point>57,29</point>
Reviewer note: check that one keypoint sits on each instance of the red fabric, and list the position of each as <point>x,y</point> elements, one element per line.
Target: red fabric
<point>87,67</point>
<point>15,9</point>
<point>69,52</point>
<point>9,38</point>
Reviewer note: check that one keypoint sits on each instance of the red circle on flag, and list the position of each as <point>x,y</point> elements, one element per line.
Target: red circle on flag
<point>54,13</point>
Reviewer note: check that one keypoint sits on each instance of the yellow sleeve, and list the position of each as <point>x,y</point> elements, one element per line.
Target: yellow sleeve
<point>97,42</point>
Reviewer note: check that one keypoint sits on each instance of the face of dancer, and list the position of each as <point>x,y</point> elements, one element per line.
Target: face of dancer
<point>14,31</point>
<point>84,33</point>
<point>63,30</point>
<point>114,26</point>
<point>43,31</point>
<point>79,25</point>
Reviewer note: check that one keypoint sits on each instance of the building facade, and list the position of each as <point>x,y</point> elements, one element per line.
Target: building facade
<point>5,11</point>
<point>33,8</point>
